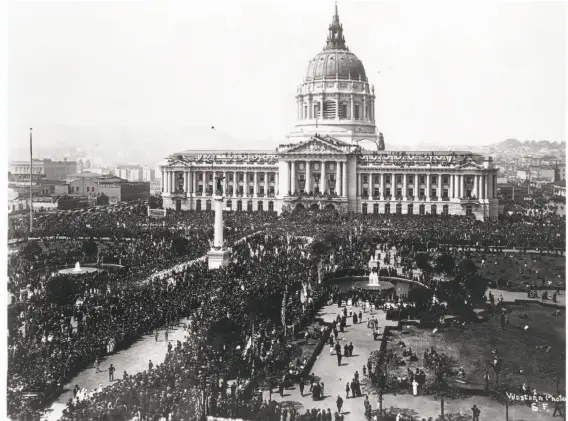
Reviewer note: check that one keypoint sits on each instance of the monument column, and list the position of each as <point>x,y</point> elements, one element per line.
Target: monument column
<point>218,256</point>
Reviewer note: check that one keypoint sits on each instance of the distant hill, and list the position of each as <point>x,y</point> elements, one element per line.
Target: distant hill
<point>117,145</point>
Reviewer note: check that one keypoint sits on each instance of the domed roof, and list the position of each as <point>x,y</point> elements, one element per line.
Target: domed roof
<point>340,64</point>
<point>336,61</point>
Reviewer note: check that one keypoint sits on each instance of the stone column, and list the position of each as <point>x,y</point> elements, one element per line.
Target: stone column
<point>352,105</point>
<point>218,256</point>
<point>308,186</point>
<point>255,183</point>
<point>483,181</point>
<point>451,194</point>
<point>359,185</point>
<point>475,184</point>
<point>293,180</point>
<point>428,186</point>
<point>404,186</point>
<point>276,183</point>
<point>338,178</point>
<point>323,180</point>
<point>225,183</point>
<point>381,192</point>
<point>162,181</point>
<point>370,186</point>
<point>344,179</point>
<point>266,184</point>
<point>489,186</point>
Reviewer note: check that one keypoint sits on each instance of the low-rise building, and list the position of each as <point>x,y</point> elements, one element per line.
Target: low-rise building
<point>45,169</point>
<point>560,188</point>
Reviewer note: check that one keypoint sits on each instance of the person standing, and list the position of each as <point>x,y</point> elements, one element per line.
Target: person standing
<point>98,364</point>
<point>347,389</point>
<point>339,357</point>
<point>475,411</point>
<point>302,386</point>
<point>111,370</point>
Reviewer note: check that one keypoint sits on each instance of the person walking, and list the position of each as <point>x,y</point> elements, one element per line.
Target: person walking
<point>347,389</point>
<point>302,386</point>
<point>157,335</point>
<point>339,358</point>
<point>150,365</point>
<point>98,364</point>
<point>339,403</point>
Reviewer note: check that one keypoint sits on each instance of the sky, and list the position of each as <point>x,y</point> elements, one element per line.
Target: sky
<point>445,73</point>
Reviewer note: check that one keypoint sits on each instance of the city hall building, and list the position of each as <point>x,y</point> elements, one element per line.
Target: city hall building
<point>334,158</point>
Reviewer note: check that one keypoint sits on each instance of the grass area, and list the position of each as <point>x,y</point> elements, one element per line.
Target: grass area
<point>472,345</point>
<point>523,269</point>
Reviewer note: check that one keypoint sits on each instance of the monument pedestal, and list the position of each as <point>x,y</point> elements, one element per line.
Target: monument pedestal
<point>217,258</point>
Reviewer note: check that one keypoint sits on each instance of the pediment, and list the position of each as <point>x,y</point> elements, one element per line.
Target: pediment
<point>318,145</point>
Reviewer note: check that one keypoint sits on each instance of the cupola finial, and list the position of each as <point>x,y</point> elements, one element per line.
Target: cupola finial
<point>335,39</point>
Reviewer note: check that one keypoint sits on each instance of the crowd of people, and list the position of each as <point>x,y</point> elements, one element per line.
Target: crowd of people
<point>237,308</point>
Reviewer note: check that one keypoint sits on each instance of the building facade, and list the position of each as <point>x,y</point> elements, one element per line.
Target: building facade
<point>42,169</point>
<point>334,157</point>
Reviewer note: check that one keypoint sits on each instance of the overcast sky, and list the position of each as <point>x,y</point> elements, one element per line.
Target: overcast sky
<point>450,72</point>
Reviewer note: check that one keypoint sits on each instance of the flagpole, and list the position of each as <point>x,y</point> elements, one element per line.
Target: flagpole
<point>31,186</point>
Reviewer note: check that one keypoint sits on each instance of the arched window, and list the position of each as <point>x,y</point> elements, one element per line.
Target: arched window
<point>329,110</point>
<point>317,110</point>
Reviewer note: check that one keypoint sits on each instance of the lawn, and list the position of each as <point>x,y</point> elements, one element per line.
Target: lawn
<point>472,346</point>
<point>520,269</point>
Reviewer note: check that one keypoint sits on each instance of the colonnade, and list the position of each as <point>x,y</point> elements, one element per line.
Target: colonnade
<point>430,185</point>
<point>315,174</point>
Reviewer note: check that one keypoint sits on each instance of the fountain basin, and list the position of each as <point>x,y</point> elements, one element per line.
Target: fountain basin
<point>78,270</point>
<point>381,286</point>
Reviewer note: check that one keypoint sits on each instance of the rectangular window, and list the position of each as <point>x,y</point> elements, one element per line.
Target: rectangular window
<point>260,206</point>
<point>271,206</point>
<point>387,179</point>
<point>410,209</point>
<point>198,205</point>
<point>251,177</point>
<point>271,190</point>
<point>249,206</point>
<point>364,177</point>
<point>305,111</point>
<point>261,178</point>
<point>271,178</point>
<point>208,205</point>
<point>398,209</point>
<point>230,177</point>
<point>377,192</point>
<point>343,110</point>
<point>433,194</point>
<point>357,112</point>
<point>241,191</point>
<point>399,179</point>
<point>410,179</point>
<point>398,191</point>
<point>261,189</point>
<point>446,210</point>
<point>329,110</point>
<point>388,208</point>
<point>422,179</point>
<point>422,209</point>
<point>241,176</point>
<point>229,204</point>
<point>446,179</point>
<point>365,192</point>
<point>411,192</point>
<point>387,191</point>
<point>434,210</point>
<point>376,208</point>
<point>434,179</point>
<point>364,209</point>
<point>239,205</point>
<point>251,190</point>
<point>210,177</point>
<point>445,193</point>
<point>422,192</point>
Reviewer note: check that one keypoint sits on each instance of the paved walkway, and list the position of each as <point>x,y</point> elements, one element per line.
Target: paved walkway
<point>335,378</point>
<point>511,296</point>
<point>133,360</point>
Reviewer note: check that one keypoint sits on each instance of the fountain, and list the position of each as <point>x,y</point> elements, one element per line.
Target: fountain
<point>78,270</point>
<point>373,279</point>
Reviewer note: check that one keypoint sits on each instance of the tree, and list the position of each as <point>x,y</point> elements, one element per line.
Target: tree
<point>180,246</point>
<point>445,263</point>
<point>90,248</point>
<point>423,262</point>
<point>443,387</point>
<point>420,296</point>
<point>474,285</point>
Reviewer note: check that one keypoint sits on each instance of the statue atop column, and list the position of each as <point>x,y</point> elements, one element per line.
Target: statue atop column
<point>219,185</point>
